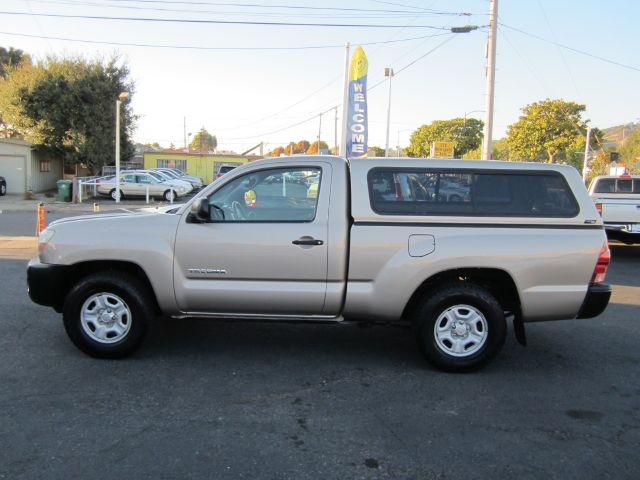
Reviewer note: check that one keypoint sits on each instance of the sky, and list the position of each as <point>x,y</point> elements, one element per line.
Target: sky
<point>248,83</point>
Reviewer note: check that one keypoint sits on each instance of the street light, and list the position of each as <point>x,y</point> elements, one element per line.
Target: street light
<point>388,72</point>
<point>468,113</point>
<point>398,139</point>
<point>121,98</point>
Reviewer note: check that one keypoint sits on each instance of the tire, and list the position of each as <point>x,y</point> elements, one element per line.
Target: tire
<point>3,189</point>
<point>455,198</point>
<point>169,194</point>
<point>460,327</point>
<point>112,194</point>
<point>126,306</point>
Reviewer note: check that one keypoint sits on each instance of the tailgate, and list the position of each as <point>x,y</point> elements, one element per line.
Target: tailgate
<point>623,210</point>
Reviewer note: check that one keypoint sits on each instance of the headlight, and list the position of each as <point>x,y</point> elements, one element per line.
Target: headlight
<point>181,189</point>
<point>44,238</point>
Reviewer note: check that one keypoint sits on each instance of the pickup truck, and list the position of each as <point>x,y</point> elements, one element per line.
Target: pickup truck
<point>618,201</point>
<point>378,242</point>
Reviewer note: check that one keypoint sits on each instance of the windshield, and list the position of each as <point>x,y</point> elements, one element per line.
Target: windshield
<point>157,176</point>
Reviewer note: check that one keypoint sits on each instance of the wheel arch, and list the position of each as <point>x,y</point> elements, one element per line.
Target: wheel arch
<point>83,269</point>
<point>498,282</point>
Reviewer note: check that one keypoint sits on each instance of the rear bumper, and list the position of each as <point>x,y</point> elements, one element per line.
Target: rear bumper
<point>47,284</point>
<point>596,300</point>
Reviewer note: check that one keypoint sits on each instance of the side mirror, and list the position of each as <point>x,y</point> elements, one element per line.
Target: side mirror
<point>200,210</point>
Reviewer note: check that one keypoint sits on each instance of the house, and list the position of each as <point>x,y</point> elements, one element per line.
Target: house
<point>27,170</point>
<point>200,164</point>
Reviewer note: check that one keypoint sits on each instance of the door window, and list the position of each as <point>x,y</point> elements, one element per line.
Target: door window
<point>275,195</point>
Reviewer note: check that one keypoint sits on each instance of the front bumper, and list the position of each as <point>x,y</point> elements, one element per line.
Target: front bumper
<point>596,300</point>
<point>47,284</point>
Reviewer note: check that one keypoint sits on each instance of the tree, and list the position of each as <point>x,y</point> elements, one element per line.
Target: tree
<point>203,141</point>
<point>10,59</point>
<point>276,152</point>
<point>376,152</point>
<point>630,152</point>
<point>302,146</point>
<point>66,108</point>
<point>313,148</point>
<point>546,129</point>
<point>466,135</point>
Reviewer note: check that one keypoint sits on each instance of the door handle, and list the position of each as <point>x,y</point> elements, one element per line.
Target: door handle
<point>307,241</point>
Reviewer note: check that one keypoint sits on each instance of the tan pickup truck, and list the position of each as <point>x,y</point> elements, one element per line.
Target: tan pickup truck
<point>450,248</point>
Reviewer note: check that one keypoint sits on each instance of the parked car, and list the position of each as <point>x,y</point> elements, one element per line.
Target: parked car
<point>618,200</point>
<point>136,184</point>
<point>3,186</point>
<point>167,178</point>
<point>176,174</point>
<point>528,245</point>
<point>224,169</point>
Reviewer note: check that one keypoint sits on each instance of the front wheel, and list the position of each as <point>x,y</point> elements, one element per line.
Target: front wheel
<point>169,195</point>
<point>460,327</point>
<point>113,194</point>
<point>106,314</point>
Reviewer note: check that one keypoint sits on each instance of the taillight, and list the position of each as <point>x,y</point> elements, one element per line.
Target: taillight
<point>599,208</point>
<point>603,263</point>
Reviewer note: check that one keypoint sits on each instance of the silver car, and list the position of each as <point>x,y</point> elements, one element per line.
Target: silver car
<point>139,184</point>
<point>196,182</point>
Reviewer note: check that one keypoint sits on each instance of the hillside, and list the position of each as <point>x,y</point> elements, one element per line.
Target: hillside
<point>615,134</point>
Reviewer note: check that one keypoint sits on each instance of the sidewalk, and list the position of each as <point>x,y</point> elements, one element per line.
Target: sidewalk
<point>17,203</point>
<point>18,248</point>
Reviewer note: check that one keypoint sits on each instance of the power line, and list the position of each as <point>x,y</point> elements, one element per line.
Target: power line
<point>220,22</point>
<point>195,47</point>
<point>382,14</point>
<point>308,119</point>
<point>289,7</point>
<point>582,52</point>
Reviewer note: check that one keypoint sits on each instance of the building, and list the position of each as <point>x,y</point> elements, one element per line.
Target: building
<point>204,165</point>
<point>27,170</point>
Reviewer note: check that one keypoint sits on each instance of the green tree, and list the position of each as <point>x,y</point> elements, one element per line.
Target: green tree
<point>376,152</point>
<point>10,59</point>
<point>466,135</point>
<point>546,129</point>
<point>630,152</point>
<point>66,107</point>
<point>203,141</point>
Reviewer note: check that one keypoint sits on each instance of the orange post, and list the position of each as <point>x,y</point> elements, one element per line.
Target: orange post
<point>41,224</point>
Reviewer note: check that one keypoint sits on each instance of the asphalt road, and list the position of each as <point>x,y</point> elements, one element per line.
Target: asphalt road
<point>273,401</point>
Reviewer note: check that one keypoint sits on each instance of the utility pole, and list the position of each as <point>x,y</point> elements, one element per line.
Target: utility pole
<point>335,133</point>
<point>185,132</point>
<point>319,131</point>
<point>491,80</point>
<point>345,103</point>
<point>586,156</point>
<point>388,72</point>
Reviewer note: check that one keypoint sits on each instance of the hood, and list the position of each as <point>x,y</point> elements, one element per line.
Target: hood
<point>102,216</point>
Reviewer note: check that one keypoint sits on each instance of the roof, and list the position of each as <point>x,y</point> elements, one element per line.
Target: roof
<point>16,141</point>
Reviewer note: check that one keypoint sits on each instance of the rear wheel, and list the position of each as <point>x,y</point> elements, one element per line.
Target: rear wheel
<point>460,327</point>
<point>106,314</point>
<point>3,189</point>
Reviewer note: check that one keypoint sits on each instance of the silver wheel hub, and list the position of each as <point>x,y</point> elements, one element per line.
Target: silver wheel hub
<point>105,318</point>
<point>461,330</point>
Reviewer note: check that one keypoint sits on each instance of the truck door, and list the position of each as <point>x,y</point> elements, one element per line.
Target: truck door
<point>264,250</point>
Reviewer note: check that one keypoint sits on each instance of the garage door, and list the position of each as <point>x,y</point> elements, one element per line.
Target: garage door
<point>12,168</point>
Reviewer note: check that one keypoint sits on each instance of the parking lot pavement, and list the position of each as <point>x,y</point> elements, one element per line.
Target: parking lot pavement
<point>229,400</point>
